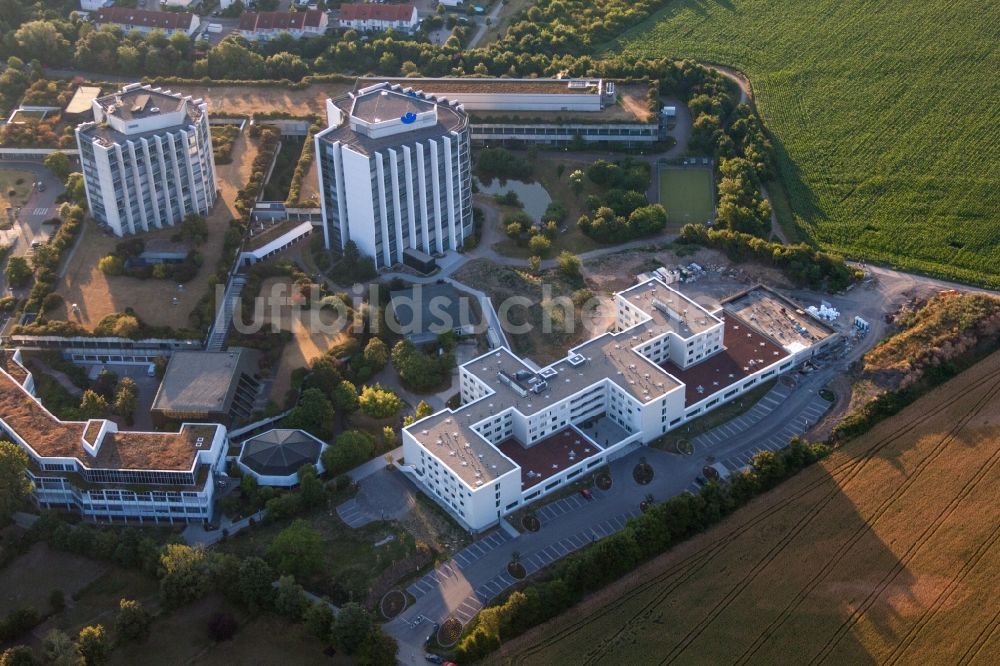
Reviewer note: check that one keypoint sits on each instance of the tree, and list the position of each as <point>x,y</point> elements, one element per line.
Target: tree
<point>194,228</point>
<point>75,188</point>
<point>255,580</point>
<point>534,264</point>
<point>19,655</point>
<point>126,326</point>
<point>345,397</point>
<point>318,619</point>
<point>184,574</point>
<point>389,436</point>
<point>289,599</point>
<point>14,485</point>
<point>18,272</point>
<point>379,649</point>
<point>539,245</point>
<point>378,402</point>
<point>423,410</point>
<point>351,628</point>
<point>311,489</point>
<point>39,40</point>
<point>126,398</point>
<point>570,266</point>
<point>93,645</point>
<point>93,405</point>
<point>297,550</point>
<point>376,354</point>
<point>60,650</point>
<point>58,164</point>
<point>576,182</point>
<point>111,265</point>
<point>132,622</point>
<point>314,414</point>
<point>352,448</point>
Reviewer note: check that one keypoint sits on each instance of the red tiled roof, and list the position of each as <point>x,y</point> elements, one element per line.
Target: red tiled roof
<point>371,11</point>
<point>144,18</point>
<point>254,21</point>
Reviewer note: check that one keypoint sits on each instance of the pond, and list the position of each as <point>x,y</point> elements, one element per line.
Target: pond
<point>532,195</point>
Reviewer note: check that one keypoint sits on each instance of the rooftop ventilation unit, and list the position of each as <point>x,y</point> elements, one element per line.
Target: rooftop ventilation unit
<point>549,373</point>
<point>576,360</point>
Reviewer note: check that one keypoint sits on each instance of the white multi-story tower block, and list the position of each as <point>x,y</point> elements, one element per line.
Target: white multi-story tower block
<point>395,173</point>
<point>147,159</point>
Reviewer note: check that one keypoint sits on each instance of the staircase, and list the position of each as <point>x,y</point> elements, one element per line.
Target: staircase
<point>224,316</point>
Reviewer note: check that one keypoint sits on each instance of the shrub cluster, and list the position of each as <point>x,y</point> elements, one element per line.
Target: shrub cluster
<point>804,265</point>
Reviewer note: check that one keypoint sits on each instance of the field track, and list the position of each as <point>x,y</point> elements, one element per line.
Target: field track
<point>805,508</point>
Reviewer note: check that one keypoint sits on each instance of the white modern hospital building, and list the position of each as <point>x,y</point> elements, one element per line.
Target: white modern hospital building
<point>522,432</point>
<point>395,173</point>
<point>147,159</point>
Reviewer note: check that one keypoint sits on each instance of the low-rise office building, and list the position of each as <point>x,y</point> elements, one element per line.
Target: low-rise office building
<point>395,173</point>
<point>539,111</point>
<point>523,432</point>
<point>207,386</point>
<point>147,159</point>
<point>93,469</point>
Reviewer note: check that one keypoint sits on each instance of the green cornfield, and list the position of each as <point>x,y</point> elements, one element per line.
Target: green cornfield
<point>885,115</point>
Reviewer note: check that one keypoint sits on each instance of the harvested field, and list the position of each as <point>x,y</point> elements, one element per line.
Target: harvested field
<point>885,552</point>
<point>99,295</point>
<point>264,99</point>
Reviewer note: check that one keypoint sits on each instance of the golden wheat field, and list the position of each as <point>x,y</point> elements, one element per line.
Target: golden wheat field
<point>884,553</point>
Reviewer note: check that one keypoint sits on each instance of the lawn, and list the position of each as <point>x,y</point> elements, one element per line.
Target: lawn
<point>687,195</point>
<point>882,114</point>
<point>157,302</point>
<point>28,580</point>
<point>880,553</point>
<point>181,637</point>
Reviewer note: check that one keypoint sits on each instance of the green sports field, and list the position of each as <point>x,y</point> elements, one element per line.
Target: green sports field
<point>686,193</point>
<point>885,117</point>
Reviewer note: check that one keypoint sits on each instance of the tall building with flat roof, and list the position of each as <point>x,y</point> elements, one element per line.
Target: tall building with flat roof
<point>147,159</point>
<point>395,173</point>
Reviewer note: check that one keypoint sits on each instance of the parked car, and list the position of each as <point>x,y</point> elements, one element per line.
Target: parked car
<point>41,186</point>
<point>587,495</point>
<point>701,481</point>
<point>434,658</point>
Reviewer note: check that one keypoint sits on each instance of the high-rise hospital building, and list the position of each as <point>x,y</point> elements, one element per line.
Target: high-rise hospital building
<point>395,173</point>
<point>146,159</point>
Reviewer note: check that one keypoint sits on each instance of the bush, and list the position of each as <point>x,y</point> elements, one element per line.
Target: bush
<point>419,371</point>
<point>501,163</point>
<point>111,265</point>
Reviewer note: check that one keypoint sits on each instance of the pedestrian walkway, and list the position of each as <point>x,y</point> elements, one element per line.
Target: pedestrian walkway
<point>352,514</point>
